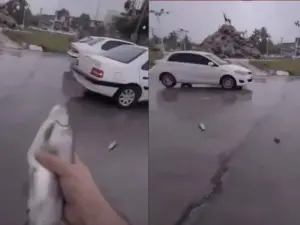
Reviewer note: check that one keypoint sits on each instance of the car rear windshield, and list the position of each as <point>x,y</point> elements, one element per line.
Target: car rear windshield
<point>124,53</point>
<point>94,41</point>
<point>86,39</point>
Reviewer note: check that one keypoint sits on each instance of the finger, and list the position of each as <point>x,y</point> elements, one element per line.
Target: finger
<point>53,163</point>
<point>78,161</point>
<point>71,215</point>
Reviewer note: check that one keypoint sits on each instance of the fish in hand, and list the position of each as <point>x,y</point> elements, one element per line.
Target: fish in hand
<point>45,201</point>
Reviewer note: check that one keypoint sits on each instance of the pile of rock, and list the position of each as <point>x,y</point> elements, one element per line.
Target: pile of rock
<point>6,20</point>
<point>228,42</point>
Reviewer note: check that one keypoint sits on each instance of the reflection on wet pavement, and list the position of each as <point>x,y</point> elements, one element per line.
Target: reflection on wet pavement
<point>30,84</point>
<point>186,162</point>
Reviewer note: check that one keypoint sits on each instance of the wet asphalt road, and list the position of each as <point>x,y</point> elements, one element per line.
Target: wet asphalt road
<point>30,84</point>
<point>233,173</point>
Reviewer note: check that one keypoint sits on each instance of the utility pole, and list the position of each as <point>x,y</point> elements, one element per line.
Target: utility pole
<point>135,36</point>
<point>281,41</point>
<point>267,47</point>
<point>97,11</point>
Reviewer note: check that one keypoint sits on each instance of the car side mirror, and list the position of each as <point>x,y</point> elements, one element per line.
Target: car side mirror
<point>211,64</point>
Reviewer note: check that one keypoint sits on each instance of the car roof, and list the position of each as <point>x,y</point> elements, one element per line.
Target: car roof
<point>192,52</point>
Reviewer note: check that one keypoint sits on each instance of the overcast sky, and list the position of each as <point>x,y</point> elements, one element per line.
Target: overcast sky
<point>204,18</point>
<point>76,7</point>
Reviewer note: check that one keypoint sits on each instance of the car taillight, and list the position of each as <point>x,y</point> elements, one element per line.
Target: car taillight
<point>97,72</point>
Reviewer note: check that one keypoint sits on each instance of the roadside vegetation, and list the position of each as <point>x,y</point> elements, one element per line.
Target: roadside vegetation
<point>130,25</point>
<point>154,55</point>
<point>289,65</point>
<point>50,42</point>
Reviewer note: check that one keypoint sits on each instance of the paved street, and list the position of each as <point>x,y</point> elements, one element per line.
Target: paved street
<point>30,84</point>
<point>233,173</point>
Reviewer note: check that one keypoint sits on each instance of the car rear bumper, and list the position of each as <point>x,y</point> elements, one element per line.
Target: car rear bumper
<point>101,87</point>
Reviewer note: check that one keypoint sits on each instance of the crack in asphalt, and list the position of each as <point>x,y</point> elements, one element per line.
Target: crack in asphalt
<point>218,177</point>
<point>217,187</point>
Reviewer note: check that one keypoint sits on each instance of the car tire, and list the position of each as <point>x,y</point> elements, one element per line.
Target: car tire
<point>228,82</point>
<point>128,96</point>
<point>186,85</point>
<point>239,87</point>
<point>168,80</point>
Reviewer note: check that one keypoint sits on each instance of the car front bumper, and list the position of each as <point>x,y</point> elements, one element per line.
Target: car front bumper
<point>244,80</point>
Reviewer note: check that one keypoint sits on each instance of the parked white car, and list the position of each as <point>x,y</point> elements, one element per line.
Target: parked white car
<point>120,73</point>
<point>193,67</point>
<point>95,45</point>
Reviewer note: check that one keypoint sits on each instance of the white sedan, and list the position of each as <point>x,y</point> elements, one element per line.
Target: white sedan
<point>120,73</point>
<point>193,67</point>
<point>95,45</point>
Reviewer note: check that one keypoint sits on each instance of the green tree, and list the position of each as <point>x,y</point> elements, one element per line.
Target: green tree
<point>62,12</point>
<point>171,41</point>
<point>261,39</point>
<point>84,21</point>
<point>16,9</point>
<point>133,20</point>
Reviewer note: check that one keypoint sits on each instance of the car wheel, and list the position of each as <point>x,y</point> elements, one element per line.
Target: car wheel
<point>128,96</point>
<point>168,80</point>
<point>186,85</point>
<point>228,82</point>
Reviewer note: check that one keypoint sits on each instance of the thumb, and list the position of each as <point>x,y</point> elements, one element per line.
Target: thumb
<point>53,163</point>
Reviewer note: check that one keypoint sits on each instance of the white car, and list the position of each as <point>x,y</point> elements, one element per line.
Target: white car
<point>193,67</point>
<point>95,45</point>
<point>120,73</point>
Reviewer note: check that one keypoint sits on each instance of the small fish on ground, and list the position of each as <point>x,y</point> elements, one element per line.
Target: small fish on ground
<point>277,140</point>
<point>202,127</point>
<point>112,145</point>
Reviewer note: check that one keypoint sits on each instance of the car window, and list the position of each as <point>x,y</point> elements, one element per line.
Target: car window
<point>216,59</point>
<point>124,53</point>
<point>146,66</point>
<point>189,58</point>
<point>112,44</point>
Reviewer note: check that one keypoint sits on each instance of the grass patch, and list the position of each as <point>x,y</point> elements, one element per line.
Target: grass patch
<point>49,42</point>
<point>289,65</point>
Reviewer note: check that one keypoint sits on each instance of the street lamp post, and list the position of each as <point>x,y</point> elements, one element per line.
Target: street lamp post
<point>158,14</point>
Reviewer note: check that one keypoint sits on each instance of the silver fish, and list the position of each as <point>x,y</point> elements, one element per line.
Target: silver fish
<point>45,201</point>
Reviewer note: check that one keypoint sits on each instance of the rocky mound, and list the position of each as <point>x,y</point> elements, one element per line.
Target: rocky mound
<point>228,42</point>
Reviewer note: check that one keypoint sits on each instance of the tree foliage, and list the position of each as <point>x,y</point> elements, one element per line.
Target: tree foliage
<point>128,23</point>
<point>62,13</point>
<point>16,9</point>
<point>84,21</point>
<point>262,41</point>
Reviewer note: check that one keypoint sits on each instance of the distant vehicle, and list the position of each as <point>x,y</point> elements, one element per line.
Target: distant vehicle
<point>95,45</point>
<point>194,67</point>
<point>120,73</point>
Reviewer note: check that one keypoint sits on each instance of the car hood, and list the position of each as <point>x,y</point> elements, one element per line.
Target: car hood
<point>233,67</point>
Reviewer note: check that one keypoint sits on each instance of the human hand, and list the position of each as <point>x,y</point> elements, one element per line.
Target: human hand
<point>84,203</point>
